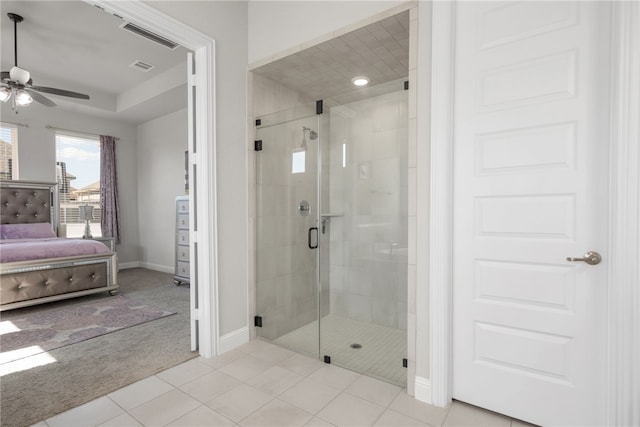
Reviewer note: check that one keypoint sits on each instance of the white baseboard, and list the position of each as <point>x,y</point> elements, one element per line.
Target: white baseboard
<point>147,265</point>
<point>423,389</point>
<point>233,339</point>
<point>125,265</point>
<point>157,267</point>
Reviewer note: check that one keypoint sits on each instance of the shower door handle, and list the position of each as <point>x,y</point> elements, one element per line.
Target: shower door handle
<point>311,246</point>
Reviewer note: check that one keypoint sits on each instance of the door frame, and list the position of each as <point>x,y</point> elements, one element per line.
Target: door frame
<point>624,209</point>
<point>204,271</point>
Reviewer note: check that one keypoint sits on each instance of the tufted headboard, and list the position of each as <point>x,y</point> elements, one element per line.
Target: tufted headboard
<point>28,202</point>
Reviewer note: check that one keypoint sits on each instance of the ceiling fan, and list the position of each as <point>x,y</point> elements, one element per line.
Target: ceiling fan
<point>18,81</point>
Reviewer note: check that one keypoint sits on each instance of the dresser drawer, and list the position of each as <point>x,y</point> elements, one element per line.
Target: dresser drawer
<point>182,252</point>
<point>183,206</point>
<point>183,269</point>
<point>183,237</point>
<point>183,221</point>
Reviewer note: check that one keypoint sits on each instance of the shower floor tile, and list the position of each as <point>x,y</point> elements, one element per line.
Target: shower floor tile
<point>380,355</point>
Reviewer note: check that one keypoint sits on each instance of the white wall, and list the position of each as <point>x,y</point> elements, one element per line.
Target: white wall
<point>226,22</point>
<point>161,144</point>
<point>275,26</point>
<point>37,158</point>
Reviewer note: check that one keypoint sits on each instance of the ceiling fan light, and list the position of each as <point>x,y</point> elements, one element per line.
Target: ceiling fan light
<point>23,98</point>
<point>5,94</point>
<point>19,75</point>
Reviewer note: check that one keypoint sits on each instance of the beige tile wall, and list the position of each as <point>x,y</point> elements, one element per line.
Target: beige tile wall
<point>266,97</point>
<point>286,268</point>
<point>369,190</point>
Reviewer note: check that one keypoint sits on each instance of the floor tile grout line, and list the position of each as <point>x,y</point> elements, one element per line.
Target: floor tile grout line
<point>257,409</point>
<point>447,414</point>
<point>208,407</point>
<point>320,410</point>
<point>162,394</point>
<point>364,398</point>
<point>253,412</point>
<point>165,422</point>
<point>118,405</point>
<point>388,408</point>
<point>341,391</point>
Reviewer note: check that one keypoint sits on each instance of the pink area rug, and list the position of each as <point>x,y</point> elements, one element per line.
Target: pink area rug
<point>50,328</point>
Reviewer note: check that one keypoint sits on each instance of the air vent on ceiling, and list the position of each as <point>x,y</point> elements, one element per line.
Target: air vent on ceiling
<point>141,66</point>
<point>149,35</point>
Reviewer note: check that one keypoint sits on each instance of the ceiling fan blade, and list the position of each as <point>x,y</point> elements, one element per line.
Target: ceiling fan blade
<point>41,99</point>
<point>61,92</point>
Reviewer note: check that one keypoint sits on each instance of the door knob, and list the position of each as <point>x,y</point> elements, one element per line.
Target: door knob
<point>591,258</point>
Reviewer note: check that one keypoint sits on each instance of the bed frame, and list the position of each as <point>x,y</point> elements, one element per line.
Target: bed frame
<point>26,283</point>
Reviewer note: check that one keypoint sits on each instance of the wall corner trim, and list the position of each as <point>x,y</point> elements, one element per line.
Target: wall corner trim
<point>423,390</point>
<point>233,339</point>
<point>624,219</point>
<point>441,202</point>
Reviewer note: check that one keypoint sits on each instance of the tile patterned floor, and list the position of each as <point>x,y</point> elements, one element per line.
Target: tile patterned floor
<point>380,356</point>
<point>260,384</point>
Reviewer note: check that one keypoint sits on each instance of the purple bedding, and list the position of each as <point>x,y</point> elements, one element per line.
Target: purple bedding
<point>12,250</point>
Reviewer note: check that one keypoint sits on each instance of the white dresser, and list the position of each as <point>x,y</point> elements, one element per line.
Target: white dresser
<point>182,240</point>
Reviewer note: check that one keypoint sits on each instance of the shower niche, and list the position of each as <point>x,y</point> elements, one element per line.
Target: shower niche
<point>331,230</point>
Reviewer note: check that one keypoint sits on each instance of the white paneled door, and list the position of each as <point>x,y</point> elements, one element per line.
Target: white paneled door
<point>530,189</point>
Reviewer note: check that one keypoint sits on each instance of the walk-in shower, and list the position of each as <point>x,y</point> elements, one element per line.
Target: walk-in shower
<point>331,214</point>
<point>331,211</point>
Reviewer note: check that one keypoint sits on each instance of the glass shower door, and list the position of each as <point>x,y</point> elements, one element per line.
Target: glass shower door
<point>287,214</point>
<point>365,222</point>
<point>332,231</point>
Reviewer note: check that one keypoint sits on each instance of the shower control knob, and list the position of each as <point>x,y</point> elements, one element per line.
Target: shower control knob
<point>304,208</point>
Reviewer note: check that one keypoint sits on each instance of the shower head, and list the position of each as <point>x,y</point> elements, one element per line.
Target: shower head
<point>312,134</point>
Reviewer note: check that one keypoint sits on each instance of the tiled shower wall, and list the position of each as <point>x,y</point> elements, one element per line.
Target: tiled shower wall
<point>267,97</point>
<point>368,198</point>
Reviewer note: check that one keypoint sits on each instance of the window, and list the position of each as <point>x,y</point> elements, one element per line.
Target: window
<point>78,176</point>
<point>298,161</point>
<point>8,152</point>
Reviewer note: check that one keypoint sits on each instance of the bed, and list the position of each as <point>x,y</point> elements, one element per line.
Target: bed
<point>35,265</point>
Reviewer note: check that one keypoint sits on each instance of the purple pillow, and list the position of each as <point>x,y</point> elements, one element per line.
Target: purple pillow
<point>38,230</point>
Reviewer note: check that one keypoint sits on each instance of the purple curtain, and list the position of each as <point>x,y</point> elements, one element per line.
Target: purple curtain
<point>109,204</point>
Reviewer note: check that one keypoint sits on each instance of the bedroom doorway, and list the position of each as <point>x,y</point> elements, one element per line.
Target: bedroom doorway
<point>201,163</point>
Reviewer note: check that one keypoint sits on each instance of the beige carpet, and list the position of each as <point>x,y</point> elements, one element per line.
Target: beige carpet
<point>81,372</point>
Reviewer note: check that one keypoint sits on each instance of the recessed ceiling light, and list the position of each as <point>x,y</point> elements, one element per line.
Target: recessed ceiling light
<point>360,81</point>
